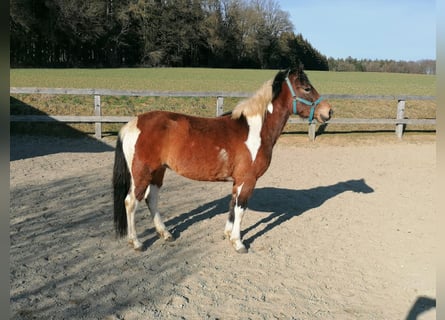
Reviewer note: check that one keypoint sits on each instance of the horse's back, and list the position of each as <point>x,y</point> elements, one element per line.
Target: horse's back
<point>184,126</point>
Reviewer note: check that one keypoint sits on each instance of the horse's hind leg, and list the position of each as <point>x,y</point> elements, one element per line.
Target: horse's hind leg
<point>139,190</point>
<point>131,204</point>
<point>152,203</point>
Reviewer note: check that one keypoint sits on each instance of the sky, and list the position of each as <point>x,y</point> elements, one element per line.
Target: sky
<point>367,29</point>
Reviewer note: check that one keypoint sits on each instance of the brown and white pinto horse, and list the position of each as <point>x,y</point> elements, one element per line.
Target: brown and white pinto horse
<point>233,147</point>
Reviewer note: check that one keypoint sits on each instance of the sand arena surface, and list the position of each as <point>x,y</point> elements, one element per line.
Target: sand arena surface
<point>334,230</point>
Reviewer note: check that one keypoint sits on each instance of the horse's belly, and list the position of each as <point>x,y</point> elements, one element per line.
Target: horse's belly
<point>202,165</point>
<point>202,172</point>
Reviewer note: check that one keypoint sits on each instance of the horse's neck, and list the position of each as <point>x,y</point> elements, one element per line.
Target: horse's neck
<point>273,125</point>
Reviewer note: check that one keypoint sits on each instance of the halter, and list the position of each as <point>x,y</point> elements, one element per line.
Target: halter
<point>306,102</point>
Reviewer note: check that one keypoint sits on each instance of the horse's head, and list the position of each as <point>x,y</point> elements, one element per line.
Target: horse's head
<point>301,97</point>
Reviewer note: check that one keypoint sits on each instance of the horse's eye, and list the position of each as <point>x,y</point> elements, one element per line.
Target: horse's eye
<point>308,89</point>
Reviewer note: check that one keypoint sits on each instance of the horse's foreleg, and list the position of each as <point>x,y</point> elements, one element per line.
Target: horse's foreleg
<point>229,223</point>
<point>235,236</point>
<point>131,204</point>
<point>238,206</point>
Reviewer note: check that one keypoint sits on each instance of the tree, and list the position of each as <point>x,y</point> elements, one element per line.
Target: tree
<point>109,33</point>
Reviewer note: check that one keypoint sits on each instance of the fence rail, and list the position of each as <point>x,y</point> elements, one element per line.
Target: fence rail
<point>400,121</point>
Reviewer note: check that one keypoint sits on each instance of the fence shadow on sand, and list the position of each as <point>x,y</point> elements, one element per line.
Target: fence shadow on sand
<point>28,140</point>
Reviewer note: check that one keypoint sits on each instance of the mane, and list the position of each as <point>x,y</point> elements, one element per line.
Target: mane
<point>281,76</point>
<point>256,104</point>
<point>269,91</point>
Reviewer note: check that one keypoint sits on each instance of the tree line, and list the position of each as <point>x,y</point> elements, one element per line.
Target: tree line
<point>169,33</point>
<point>155,33</point>
<point>426,66</point>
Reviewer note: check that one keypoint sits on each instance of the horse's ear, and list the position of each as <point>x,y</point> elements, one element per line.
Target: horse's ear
<point>287,71</point>
<point>296,66</point>
<point>277,82</point>
<point>281,75</point>
<point>300,67</point>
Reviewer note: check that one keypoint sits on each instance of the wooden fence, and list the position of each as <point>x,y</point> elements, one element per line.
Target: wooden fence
<point>400,121</point>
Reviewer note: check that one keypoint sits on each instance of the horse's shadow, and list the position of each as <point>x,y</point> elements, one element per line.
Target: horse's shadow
<point>421,305</point>
<point>284,204</point>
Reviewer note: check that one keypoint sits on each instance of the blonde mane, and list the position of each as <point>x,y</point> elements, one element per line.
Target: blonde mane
<point>256,104</point>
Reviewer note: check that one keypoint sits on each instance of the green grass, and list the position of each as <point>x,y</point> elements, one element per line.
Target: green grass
<point>239,80</point>
<point>373,83</point>
<point>202,80</point>
<point>160,79</point>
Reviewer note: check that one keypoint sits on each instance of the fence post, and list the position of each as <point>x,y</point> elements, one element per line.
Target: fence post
<point>400,115</point>
<point>219,106</point>
<point>97,112</point>
<point>311,131</point>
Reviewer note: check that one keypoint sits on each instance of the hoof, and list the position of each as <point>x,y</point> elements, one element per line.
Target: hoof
<point>242,250</point>
<point>239,246</point>
<point>136,244</point>
<point>167,236</point>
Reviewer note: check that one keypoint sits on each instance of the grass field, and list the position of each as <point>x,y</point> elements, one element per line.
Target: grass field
<point>202,80</point>
<point>199,79</point>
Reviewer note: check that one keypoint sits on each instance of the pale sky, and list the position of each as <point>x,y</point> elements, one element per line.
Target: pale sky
<point>367,29</point>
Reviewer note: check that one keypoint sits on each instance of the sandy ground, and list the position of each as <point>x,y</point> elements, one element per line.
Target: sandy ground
<point>335,231</point>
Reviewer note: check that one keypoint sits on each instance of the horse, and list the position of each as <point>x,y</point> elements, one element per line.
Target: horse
<point>236,146</point>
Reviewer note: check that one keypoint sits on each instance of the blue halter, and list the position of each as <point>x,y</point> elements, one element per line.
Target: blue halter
<point>306,102</point>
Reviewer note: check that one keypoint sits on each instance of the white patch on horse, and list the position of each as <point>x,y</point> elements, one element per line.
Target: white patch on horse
<point>147,191</point>
<point>270,107</point>
<point>228,229</point>
<point>129,134</point>
<point>238,192</point>
<point>253,141</point>
<point>223,164</point>
<point>235,236</point>
<point>222,155</point>
<point>131,204</point>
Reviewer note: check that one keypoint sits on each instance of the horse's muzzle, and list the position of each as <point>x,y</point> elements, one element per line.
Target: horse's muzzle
<point>325,115</point>
<point>331,112</point>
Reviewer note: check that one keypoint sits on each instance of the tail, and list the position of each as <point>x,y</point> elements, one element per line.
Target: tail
<point>121,185</point>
